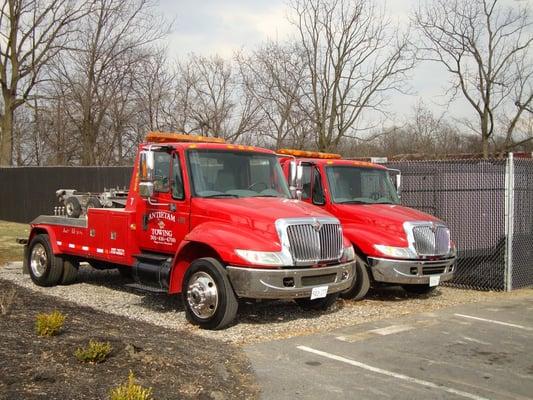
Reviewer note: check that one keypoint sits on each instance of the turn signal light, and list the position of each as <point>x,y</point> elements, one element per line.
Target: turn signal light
<point>168,137</point>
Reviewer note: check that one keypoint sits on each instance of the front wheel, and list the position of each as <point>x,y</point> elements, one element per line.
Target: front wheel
<point>318,304</point>
<point>208,296</point>
<point>360,284</point>
<point>419,289</point>
<point>45,268</point>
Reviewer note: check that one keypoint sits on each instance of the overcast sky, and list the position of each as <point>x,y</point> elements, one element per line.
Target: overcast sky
<point>223,26</point>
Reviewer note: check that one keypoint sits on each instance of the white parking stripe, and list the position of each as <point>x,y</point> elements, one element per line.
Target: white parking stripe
<point>389,330</point>
<point>391,374</point>
<point>495,322</point>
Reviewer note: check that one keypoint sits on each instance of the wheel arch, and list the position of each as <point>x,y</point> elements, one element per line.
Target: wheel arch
<point>38,230</point>
<point>186,254</point>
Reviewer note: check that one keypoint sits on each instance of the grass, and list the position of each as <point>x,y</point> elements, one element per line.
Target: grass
<point>9,249</point>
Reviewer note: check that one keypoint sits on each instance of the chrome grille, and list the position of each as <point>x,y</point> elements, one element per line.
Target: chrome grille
<point>308,245</point>
<point>431,240</point>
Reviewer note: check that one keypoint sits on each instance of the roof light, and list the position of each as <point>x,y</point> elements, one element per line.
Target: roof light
<point>167,137</point>
<point>309,154</point>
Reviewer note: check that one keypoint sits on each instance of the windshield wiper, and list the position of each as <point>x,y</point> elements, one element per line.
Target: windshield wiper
<point>265,195</point>
<point>385,202</point>
<point>220,195</point>
<point>353,202</point>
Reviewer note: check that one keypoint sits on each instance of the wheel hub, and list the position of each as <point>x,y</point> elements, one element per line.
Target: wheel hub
<point>38,260</point>
<point>202,295</point>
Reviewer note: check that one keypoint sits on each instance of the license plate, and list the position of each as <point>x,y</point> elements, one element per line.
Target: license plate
<point>434,280</point>
<point>319,292</point>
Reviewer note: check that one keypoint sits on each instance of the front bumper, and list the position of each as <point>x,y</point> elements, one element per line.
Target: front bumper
<point>411,271</point>
<point>258,283</point>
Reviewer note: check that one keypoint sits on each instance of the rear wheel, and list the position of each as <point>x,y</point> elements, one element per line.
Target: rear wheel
<point>45,268</point>
<point>318,304</point>
<point>208,296</point>
<point>70,271</point>
<point>419,289</point>
<point>361,283</point>
<point>72,207</point>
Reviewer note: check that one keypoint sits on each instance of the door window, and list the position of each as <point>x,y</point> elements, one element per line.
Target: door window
<point>177,179</point>
<point>161,172</point>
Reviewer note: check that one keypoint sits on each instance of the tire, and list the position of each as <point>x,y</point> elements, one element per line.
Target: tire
<point>361,283</point>
<point>419,289</point>
<point>318,304</point>
<point>44,267</point>
<point>70,271</point>
<point>93,202</point>
<point>126,272</point>
<point>208,296</point>
<point>72,207</point>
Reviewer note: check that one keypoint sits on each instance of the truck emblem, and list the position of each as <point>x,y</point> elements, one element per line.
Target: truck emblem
<point>316,225</point>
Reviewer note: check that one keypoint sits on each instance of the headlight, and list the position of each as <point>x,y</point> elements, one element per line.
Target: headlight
<point>348,254</point>
<point>260,257</point>
<point>395,252</point>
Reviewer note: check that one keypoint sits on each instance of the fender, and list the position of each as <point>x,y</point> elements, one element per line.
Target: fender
<point>37,229</point>
<point>218,240</point>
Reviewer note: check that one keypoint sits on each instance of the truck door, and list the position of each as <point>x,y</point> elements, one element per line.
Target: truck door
<point>312,188</point>
<point>165,221</point>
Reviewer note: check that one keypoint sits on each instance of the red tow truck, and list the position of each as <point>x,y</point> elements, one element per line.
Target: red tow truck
<point>210,220</point>
<point>394,245</point>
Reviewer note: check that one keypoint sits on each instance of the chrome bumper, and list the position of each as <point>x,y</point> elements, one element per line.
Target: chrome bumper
<point>259,283</point>
<point>410,271</point>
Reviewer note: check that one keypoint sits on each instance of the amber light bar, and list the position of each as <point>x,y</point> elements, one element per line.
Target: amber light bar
<point>309,154</point>
<point>167,137</point>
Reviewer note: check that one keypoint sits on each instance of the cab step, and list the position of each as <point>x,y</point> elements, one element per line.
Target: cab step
<point>145,288</point>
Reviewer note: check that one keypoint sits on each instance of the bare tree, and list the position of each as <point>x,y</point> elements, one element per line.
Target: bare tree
<point>486,47</point>
<point>98,71</point>
<point>354,57</point>
<point>216,104</point>
<point>32,32</point>
<point>274,75</point>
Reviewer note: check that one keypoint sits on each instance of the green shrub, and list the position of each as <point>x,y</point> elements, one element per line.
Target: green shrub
<point>49,324</point>
<point>131,391</point>
<point>95,352</point>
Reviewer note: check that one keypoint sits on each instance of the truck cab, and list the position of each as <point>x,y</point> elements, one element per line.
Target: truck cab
<point>394,245</point>
<point>212,221</point>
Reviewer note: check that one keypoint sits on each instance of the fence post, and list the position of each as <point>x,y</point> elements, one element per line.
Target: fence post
<point>509,222</point>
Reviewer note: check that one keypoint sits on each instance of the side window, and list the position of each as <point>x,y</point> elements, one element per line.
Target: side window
<point>177,179</point>
<point>306,182</point>
<point>161,172</point>
<point>318,191</point>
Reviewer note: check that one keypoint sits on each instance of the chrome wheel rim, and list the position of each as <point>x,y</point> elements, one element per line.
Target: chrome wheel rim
<point>202,295</point>
<point>38,260</point>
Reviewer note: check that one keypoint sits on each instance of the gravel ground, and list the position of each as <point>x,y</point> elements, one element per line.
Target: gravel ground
<point>257,322</point>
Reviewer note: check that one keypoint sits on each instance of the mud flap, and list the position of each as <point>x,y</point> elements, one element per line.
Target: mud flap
<point>25,266</point>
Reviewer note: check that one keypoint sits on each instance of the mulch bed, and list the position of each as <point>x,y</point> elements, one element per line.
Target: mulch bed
<point>177,365</point>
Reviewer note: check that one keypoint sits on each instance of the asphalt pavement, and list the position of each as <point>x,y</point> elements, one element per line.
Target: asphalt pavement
<point>475,351</point>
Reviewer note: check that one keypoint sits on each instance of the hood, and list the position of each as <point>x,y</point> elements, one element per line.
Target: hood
<point>377,223</point>
<point>256,213</point>
<point>384,215</point>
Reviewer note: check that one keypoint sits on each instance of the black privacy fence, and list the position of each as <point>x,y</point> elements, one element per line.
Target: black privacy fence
<point>27,192</point>
<point>488,205</point>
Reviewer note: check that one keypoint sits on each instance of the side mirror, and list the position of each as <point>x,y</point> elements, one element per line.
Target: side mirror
<point>146,189</point>
<point>295,179</point>
<point>146,166</point>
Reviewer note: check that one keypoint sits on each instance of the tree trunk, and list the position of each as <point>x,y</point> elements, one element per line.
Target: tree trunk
<point>6,138</point>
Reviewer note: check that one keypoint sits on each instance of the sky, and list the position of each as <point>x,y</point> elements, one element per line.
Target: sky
<point>209,27</point>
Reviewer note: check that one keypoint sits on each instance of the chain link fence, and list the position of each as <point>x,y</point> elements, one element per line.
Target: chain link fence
<point>488,206</point>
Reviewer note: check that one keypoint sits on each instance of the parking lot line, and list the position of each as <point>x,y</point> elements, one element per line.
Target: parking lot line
<point>390,373</point>
<point>494,322</point>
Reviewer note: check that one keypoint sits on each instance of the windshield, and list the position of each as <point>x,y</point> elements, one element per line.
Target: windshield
<point>361,185</point>
<point>220,173</point>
